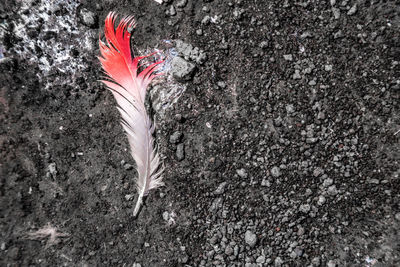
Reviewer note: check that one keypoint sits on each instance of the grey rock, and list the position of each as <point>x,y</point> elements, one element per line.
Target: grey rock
<point>333,2</point>
<point>181,69</point>
<point>278,262</point>
<point>181,3</point>
<point>311,140</point>
<point>263,44</point>
<point>296,75</point>
<point>128,166</point>
<point>242,173</point>
<point>136,265</point>
<point>289,108</point>
<point>206,20</point>
<point>265,182</point>
<point>165,215</point>
<point>189,53</point>
<point>221,188</point>
<point>261,259</point>
<point>288,57</point>
<point>275,171</point>
<point>397,216</point>
<point>236,250</point>
<point>299,252</point>
<point>221,84</point>
<point>336,12</point>
<point>185,258</point>
<point>88,18</point>
<point>53,169</point>
<point>250,238</point>
<point>318,171</point>
<point>199,32</point>
<point>216,205</point>
<point>129,197</point>
<point>352,10</point>
<point>305,208</point>
<point>321,200</point>
<point>180,152</point>
<point>293,255</point>
<point>327,182</point>
<point>306,34</point>
<point>373,181</point>
<point>316,261</point>
<point>332,190</point>
<point>331,263</point>
<point>176,137</point>
<point>328,67</point>
<point>171,11</point>
<point>338,34</point>
<point>228,250</point>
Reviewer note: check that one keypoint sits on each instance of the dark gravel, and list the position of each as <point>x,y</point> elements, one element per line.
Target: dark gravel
<point>282,149</point>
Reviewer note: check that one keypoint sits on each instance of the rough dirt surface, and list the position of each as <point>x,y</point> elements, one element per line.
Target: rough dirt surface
<point>283,149</point>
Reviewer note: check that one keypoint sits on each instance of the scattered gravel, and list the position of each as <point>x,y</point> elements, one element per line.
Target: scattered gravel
<point>277,135</point>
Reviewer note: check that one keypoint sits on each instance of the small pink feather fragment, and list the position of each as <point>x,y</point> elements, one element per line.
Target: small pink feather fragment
<point>49,232</point>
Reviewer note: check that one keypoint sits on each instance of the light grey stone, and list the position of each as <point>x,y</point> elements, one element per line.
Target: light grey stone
<point>181,69</point>
<point>180,152</point>
<point>250,238</point>
<point>275,171</point>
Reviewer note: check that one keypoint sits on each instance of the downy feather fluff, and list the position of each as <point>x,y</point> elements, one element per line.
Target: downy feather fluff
<point>129,86</point>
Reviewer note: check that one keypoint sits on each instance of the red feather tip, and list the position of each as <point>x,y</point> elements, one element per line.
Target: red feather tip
<point>118,62</point>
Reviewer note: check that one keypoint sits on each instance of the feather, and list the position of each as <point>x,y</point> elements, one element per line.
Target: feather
<point>129,85</point>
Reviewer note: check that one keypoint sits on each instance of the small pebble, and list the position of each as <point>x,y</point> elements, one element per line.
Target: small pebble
<point>296,75</point>
<point>305,208</point>
<point>172,11</point>
<point>288,57</point>
<point>181,3</point>
<point>250,238</point>
<point>352,10</point>
<point>242,173</point>
<point>275,171</point>
<point>278,262</point>
<point>321,200</point>
<point>328,67</point>
<point>180,152</point>
<point>176,137</point>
